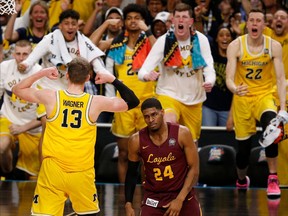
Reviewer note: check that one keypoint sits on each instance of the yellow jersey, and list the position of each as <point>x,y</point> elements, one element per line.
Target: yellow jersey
<point>255,69</point>
<point>70,136</point>
<point>129,77</point>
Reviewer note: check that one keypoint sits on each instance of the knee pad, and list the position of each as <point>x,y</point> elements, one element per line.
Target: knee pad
<point>266,118</point>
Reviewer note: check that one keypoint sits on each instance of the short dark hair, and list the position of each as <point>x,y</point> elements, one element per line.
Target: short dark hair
<point>78,70</point>
<point>183,7</point>
<point>70,13</point>
<point>256,10</point>
<point>150,103</point>
<point>163,2</point>
<point>134,8</point>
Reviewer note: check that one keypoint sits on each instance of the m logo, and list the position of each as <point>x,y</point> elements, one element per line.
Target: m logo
<point>36,199</point>
<point>94,197</point>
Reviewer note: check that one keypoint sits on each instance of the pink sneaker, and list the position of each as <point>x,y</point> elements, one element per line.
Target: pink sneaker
<point>243,186</point>
<point>273,190</point>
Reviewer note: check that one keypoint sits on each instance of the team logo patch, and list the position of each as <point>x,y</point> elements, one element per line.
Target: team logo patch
<point>215,154</point>
<point>266,51</point>
<point>151,202</point>
<point>172,142</point>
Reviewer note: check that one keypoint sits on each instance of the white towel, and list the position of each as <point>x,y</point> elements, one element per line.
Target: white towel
<point>60,53</point>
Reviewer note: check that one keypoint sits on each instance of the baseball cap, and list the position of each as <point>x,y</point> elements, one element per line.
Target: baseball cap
<point>162,16</point>
<point>113,10</point>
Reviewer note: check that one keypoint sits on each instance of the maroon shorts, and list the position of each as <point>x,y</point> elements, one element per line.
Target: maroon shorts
<point>152,204</point>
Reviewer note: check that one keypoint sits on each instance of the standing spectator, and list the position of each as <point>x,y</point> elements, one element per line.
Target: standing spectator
<point>186,71</point>
<point>280,34</point>
<point>37,29</point>
<point>217,105</point>
<point>159,26</point>
<point>18,117</point>
<point>112,27</point>
<point>248,76</point>
<point>126,55</point>
<point>102,37</point>
<point>207,17</point>
<point>71,133</point>
<point>153,8</point>
<point>171,166</point>
<point>97,17</point>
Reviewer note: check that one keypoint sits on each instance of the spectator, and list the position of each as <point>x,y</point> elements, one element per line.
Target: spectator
<point>280,34</point>
<point>18,117</point>
<point>98,15</point>
<point>127,54</point>
<point>103,37</point>
<point>112,27</point>
<point>159,26</point>
<point>186,71</point>
<point>37,29</point>
<point>217,105</point>
<point>153,8</point>
<point>207,17</point>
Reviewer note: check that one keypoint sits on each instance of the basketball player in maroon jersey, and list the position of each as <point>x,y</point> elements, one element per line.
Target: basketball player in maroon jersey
<point>171,166</point>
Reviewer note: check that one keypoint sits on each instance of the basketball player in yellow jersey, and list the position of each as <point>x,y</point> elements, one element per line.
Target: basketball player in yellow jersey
<point>70,136</point>
<point>248,76</point>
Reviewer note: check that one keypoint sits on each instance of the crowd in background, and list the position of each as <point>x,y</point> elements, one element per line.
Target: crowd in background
<point>105,24</point>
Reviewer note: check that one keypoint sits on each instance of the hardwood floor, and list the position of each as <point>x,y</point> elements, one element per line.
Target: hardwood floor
<point>16,197</point>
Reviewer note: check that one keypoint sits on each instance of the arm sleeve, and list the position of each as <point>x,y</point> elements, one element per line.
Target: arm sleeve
<point>209,71</point>
<point>126,94</point>
<point>154,57</point>
<point>131,180</point>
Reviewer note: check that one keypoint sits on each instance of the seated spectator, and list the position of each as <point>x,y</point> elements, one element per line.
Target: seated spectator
<point>38,26</point>
<point>18,117</point>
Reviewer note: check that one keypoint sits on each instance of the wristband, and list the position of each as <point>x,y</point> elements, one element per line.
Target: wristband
<point>148,33</point>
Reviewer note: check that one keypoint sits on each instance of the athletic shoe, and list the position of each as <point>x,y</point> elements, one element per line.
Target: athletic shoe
<point>273,133</point>
<point>243,186</point>
<point>273,190</point>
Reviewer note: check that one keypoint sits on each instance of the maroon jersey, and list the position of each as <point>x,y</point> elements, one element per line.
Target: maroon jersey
<point>165,166</point>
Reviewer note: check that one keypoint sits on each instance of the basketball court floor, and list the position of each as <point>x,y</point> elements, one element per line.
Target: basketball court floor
<point>16,197</point>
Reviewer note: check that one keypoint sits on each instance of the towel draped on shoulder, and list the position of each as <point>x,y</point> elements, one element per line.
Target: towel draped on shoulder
<point>172,55</point>
<point>141,49</point>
